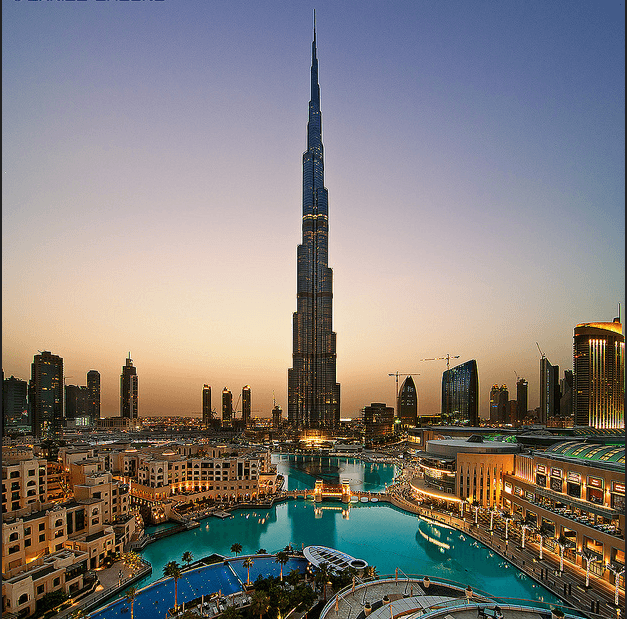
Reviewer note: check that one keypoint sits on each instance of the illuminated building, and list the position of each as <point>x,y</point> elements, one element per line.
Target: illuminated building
<point>549,391</point>
<point>227,406</point>
<point>129,390</point>
<point>499,398</point>
<point>277,415</point>
<point>460,394</point>
<point>76,401</point>
<point>14,404</point>
<point>246,405</point>
<point>599,375</point>
<point>522,388</point>
<point>407,405</point>
<point>93,387</point>
<point>207,417</point>
<point>313,393</point>
<point>46,395</point>
<point>378,420</point>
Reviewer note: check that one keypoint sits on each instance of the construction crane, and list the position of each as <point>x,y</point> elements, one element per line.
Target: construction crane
<point>448,359</point>
<point>397,374</point>
<point>541,353</point>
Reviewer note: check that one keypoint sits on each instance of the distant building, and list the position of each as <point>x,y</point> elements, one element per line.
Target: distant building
<point>93,387</point>
<point>207,416</point>
<point>549,390</point>
<point>227,406</point>
<point>599,375</point>
<point>378,420</point>
<point>277,416</point>
<point>76,402</point>
<point>407,405</point>
<point>246,405</point>
<point>14,403</point>
<point>460,394</point>
<point>46,395</point>
<point>499,398</point>
<point>566,394</point>
<point>522,389</point>
<point>129,391</point>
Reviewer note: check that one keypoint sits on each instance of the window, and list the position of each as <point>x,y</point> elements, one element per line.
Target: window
<point>42,537</point>
<point>42,526</point>
<point>13,537</point>
<point>27,543</point>
<point>56,582</point>
<point>40,589</point>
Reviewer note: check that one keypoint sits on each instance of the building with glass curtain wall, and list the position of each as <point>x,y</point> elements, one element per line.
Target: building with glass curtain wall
<point>407,405</point>
<point>129,390</point>
<point>460,394</point>
<point>313,393</point>
<point>46,395</point>
<point>599,374</point>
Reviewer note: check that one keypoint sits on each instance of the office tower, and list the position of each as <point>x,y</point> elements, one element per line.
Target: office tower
<point>129,390</point>
<point>313,394</point>
<point>207,417</point>
<point>407,403</point>
<point>499,398</point>
<point>246,405</point>
<point>227,406</point>
<point>378,420</point>
<point>549,390</point>
<point>522,402</point>
<point>460,394</point>
<point>76,402</point>
<point>277,416</point>
<point>46,395</point>
<point>93,386</point>
<point>599,375</point>
<point>566,394</point>
<point>14,403</point>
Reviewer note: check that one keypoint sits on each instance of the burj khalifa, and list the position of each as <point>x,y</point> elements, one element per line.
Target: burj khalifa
<point>313,393</point>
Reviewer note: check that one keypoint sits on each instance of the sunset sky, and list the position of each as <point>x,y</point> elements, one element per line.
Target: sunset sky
<point>152,171</point>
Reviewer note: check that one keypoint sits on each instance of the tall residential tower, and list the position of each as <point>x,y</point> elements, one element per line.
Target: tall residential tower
<point>129,390</point>
<point>313,393</point>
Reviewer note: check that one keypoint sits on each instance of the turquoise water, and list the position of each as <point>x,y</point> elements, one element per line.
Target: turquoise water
<point>384,536</point>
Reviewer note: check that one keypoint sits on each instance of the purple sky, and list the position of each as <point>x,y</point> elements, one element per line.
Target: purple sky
<point>151,189</point>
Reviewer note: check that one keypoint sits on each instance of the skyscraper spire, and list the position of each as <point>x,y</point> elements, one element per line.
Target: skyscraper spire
<point>313,394</point>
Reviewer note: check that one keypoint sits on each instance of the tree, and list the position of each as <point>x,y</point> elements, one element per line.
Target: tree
<point>563,542</point>
<point>236,548</point>
<point>248,563</point>
<point>293,578</point>
<point>187,557</point>
<point>282,558</point>
<point>260,603</point>
<point>130,596</point>
<point>371,572</point>
<point>262,551</point>
<point>231,612</point>
<point>544,532</point>
<point>321,576</point>
<point>173,570</point>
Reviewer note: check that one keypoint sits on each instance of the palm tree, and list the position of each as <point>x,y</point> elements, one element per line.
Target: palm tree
<point>130,596</point>
<point>230,612</point>
<point>236,548</point>
<point>262,551</point>
<point>544,531</point>
<point>322,574</point>
<point>282,558</point>
<point>173,570</point>
<point>563,542</point>
<point>528,522</point>
<point>187,557</point>
<point>371,572</point>
<point>589,557</point>
<point>248,563</point>
<point>260,603</point>
<point>293,578</point>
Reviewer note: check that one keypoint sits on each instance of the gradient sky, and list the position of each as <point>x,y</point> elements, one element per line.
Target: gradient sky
<point>151,153</point>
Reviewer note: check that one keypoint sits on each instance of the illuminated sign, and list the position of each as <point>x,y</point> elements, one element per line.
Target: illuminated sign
<point>574,477</point>
<point>508,487</point>
<point>618,487</point>
<point>556,473</point>
<point>595,482</point>
<point>518,491</point>
<point>540,468</point>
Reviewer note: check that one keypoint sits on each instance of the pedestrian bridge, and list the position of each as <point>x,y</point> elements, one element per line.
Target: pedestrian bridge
<point>336,492</point>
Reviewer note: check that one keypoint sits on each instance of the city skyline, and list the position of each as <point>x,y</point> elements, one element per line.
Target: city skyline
<point>474,153</point>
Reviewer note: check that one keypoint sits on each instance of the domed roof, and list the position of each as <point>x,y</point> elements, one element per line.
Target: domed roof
<point>589,451</point>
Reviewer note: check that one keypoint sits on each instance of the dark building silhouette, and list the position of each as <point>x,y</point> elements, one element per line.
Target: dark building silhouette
<point>522,399</point>
<point>599,374</point>
<point>207,415</point>
<point>46,395</point>
<point>76,402</point>
<point>407,405</point>
<point>93,387</point>
<point>549,390</point>
<point>129,390</point>
<point>566,394</point>
<point>14,403</point>
<point>227,406</point>
<point>378,420</point>
<point>313,393</point>
<point>460,394</point>
<point>277,416</point>
<point>499,398</point>
<point>246,405</point>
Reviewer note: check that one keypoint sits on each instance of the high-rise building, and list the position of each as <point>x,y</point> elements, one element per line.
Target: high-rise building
<point>14,403</point>
<point>76,402</point>
<point>93,387</point>
<point>277,415</point>
<point>129,390</point>
<point>378,420</point>
<point>566,394</point>
<point>46,395</point>
<point>499,398</point>
<point>407,404</point>
<point>313,393</point>
<point>549,390</point>
<point>522,401</point>
<point>599,374</point>
<point>460,394</point>
<point>227,406</point>
<point>246,405</point>
<point>207,417</point>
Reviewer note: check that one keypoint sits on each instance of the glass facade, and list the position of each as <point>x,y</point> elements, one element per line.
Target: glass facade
<point>407,405</point>
<point>129,390</point>
<point>460,394</point>
<point>313,393</point>
<point>46,395</point>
